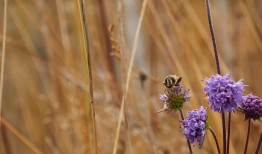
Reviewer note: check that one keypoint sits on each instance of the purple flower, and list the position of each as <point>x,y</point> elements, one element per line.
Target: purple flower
<point>195,126</point>
<point>174,98</point>
<point>163,98</point>
<point>223,93</point>
<point>179,91</point>
<point>252,106</point>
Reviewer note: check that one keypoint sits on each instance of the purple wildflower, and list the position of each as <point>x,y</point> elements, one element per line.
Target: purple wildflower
<point>174,98</point>
<point>195,126</point>
<point>163,98</point>
<point>223,93</point>
<point>252,106</point>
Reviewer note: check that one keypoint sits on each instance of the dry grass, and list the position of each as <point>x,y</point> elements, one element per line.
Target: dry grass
<point>46,88</point>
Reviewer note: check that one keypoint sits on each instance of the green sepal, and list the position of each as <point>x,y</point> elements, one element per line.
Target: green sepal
<point>207,126</point>
<point>176,103</point>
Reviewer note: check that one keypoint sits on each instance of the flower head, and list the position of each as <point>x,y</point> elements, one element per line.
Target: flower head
<point>195,125</point>
<point>223,93</point>
<point>174,98</point>
<point>252,107</point>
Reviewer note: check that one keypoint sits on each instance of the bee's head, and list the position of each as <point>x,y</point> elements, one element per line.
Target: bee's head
<point>170,81</point>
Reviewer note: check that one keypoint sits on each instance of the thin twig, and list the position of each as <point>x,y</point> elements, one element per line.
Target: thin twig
<point>3,58</point>
<point>129,71</point>
<point>20,136</point>
<point>87,53</point>
<point>212,35</point>
<point>215,137</point>
<point>248,132</point>
<point>259,143</point>
<point>218,70</point>
<point>188,143</point>
<point>228,131</point>
<point>6,140</point>
<point>224,132</point>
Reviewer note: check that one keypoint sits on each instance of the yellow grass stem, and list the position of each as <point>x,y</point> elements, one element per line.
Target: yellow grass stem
<point>129,71</point>
<point>3,59</point>
<point>20,136</point>
<point>88,59</point>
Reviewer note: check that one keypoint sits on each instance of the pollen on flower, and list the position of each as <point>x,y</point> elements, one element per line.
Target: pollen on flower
<point>223,93</point>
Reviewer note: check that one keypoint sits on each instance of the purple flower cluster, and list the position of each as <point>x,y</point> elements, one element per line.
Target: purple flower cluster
<point>252,106</point>
<point>174,98</point>
<point>223,93</point>
<point>179,91</point>
<point>195,125</point>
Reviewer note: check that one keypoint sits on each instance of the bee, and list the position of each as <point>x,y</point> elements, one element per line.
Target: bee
<point>172,80</point>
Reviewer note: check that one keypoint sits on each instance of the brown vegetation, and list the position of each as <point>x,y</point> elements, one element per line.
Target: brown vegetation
<point>45,104</point>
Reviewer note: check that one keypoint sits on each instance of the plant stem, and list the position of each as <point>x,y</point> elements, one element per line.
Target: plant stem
<point>224,132</point>
<point>212,35</point>
<point>3,59</point>
<point>215,137</point>
<point>128,77</point>
<point>20,136</point>
<point>218,68</point>
<point>248,132</point>
<point>228,131</point>
<point>6,140</point>
<point>188,143</point>
<point>87,48</point>
<point>259,144</point>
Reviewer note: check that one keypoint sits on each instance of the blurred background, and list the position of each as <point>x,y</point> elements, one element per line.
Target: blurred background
<point>45,105</point>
